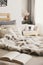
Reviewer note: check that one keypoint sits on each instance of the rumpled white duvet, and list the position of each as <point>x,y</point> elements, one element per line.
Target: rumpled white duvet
<point>31,44</point>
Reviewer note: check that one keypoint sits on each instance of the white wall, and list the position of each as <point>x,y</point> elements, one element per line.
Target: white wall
<point>39,14</point>
<point>24,4</point>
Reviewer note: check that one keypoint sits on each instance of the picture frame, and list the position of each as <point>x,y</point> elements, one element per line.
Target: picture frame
<point>3,3</point>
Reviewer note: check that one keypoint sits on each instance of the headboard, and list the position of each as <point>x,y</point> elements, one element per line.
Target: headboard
<point>4,16</point>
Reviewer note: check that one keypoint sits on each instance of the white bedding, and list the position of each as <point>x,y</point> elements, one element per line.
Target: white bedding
<point>34,44</point>
<point>13,40</point>
<point>30,45</point>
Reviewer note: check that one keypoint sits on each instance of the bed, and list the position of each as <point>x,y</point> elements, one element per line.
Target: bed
<point>11,38</point>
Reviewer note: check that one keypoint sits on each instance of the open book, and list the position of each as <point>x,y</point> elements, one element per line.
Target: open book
<point>16,57</point>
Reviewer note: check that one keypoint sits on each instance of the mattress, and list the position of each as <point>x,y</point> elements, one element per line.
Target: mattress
<point>35,60</point>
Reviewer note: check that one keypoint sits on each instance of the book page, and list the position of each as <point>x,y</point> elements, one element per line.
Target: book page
<point>22,58</point>
<point>10,55</point>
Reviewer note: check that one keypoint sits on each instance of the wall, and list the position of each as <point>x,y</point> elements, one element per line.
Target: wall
<point>24,4</point>
<point>39,15</point>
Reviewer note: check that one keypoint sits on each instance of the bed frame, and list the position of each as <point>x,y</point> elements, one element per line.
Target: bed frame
<point>4,16</point>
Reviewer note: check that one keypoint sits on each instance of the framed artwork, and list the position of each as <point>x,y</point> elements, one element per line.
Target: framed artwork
<point>3,3</point>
